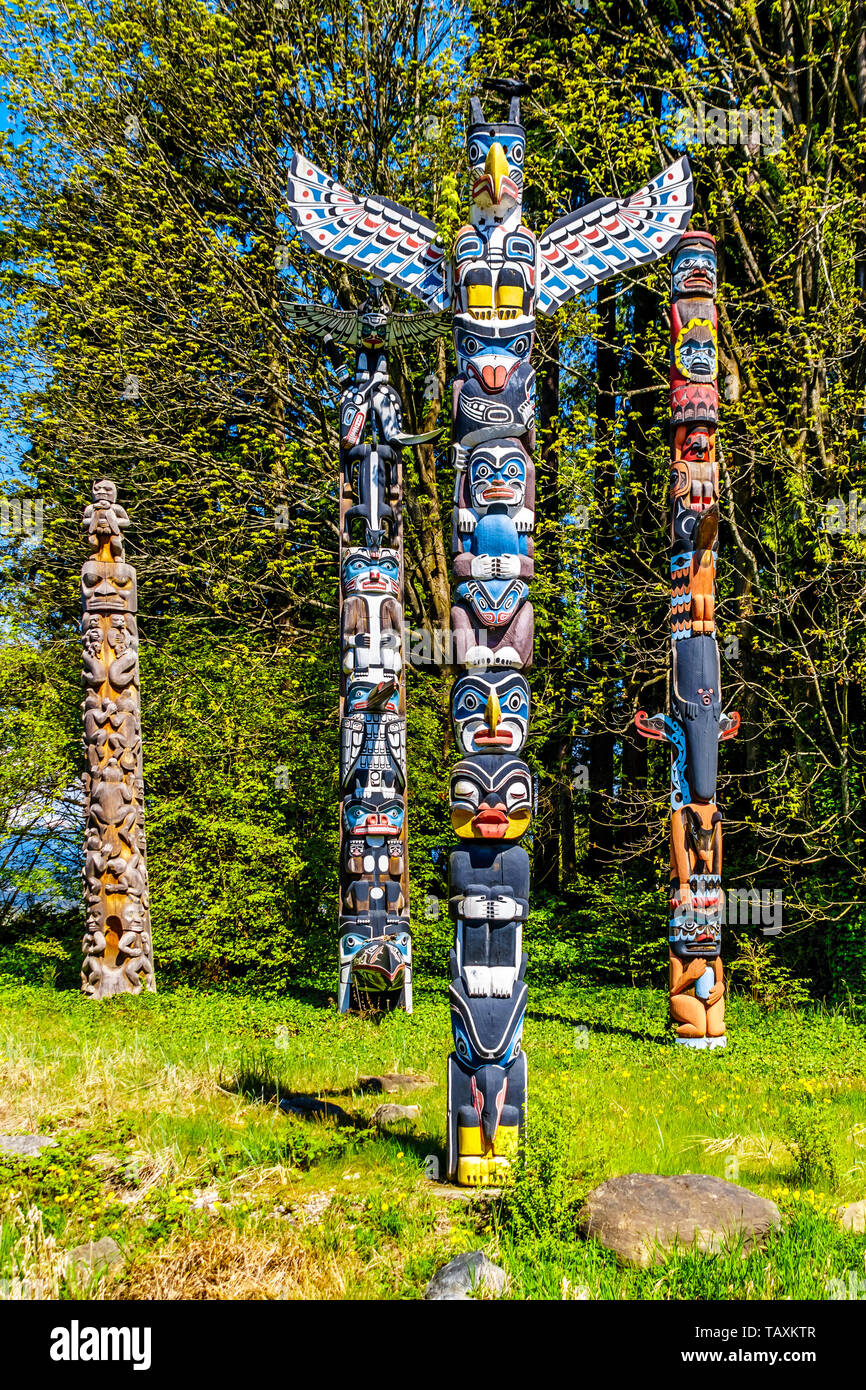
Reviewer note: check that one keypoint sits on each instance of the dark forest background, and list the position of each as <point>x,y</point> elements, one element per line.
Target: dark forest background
<point>146,262</point>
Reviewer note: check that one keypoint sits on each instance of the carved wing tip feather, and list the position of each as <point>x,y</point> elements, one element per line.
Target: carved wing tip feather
<point>322,319</point>
<point>372,234</point>
<point>608,237</point>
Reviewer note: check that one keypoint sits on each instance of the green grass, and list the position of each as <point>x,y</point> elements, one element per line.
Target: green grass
<point>170,1139</point>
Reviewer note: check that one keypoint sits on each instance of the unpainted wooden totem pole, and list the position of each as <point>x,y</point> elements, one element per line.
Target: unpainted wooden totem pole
<point>695,724</point>
<point>118,955</point>
<point>500,276</point>
<point>375,936</point>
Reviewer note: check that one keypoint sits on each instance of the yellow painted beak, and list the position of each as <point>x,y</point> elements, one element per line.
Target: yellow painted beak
<point>493,712</point>
<point>496,165</point>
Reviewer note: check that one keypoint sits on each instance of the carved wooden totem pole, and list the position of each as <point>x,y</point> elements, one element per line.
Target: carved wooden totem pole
<point>696,723</point>
<point>375,938</point>
<point>118,956</point>
<point>501,274</point>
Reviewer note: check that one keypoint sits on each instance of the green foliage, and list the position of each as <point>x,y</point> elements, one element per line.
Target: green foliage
<point>541,1199</point>
<point>764,978</point>
<point>811,1145</point>
<point>73,1195</point>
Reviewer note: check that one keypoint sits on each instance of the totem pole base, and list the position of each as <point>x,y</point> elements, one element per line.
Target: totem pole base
<point>701,1042</point>
<point>472,1160</point>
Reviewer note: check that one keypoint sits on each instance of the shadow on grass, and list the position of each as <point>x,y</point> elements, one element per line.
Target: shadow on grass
<point>259,1086</point>
<point>649,1034</point>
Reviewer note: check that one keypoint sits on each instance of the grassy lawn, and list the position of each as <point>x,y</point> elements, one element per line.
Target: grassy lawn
<point>170,1138</point>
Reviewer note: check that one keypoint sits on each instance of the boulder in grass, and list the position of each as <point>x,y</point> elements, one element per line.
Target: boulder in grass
<point>396,1114</point>
<point>24,1145</point>
<point>853,1217</point>
<point>96,1256</point>
<point>465,1275</point>
<point>642,1217</point>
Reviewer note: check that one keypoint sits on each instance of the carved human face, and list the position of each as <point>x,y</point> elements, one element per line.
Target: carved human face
<point>491,798</point>
<point>108,586</point>
<point>377,815</point>
<point>369,572</point>
<point>104,492</point>
<point>695,352</point>
<point>693,271</point>
<point>497,475</point>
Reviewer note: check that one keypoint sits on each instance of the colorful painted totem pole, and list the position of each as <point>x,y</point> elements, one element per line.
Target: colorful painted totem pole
<point>500,277</point>
<point>375,937</point>
<point>118,956</point>
<point>696,723</point>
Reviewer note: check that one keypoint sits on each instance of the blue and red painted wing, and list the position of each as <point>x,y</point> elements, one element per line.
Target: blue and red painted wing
<point>372,234</point>
<point>607,238</point>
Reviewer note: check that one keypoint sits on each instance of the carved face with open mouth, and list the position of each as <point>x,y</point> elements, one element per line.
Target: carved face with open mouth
<point>376,816</point>
<point>693,271</point>
<point>491,798</point>
<point>492,351</point>
<point>695,927</point>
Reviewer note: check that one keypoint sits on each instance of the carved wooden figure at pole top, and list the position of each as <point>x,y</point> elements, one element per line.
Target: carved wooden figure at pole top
<point>118,954</point>
<point>696,723</point>
<point>375,955</point>
<point>499,277</point>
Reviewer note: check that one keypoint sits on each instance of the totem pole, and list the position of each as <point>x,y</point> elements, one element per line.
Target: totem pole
<point>118,956</point>
<point>696,723</point>
<point>500,276</point>
<point>375,938</point>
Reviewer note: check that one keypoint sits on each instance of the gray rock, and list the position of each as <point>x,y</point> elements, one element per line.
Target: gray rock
<point>394,1081</point>
<point>24,1145</point>
<point>642,1216</point>
<point>395,1114</point>
<point>96,1256</point>
<point>464,1275</point>
<point>106,1163</point>
<point>853,1217</point>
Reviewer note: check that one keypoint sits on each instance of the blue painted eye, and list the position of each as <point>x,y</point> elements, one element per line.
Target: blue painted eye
<point>516,152</point>
<point>461,1044</point>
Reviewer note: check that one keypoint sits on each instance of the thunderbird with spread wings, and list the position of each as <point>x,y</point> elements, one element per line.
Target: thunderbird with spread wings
<point>500,268</point>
